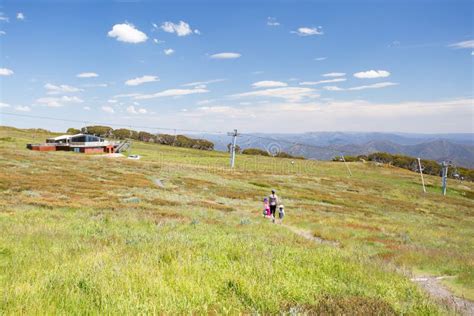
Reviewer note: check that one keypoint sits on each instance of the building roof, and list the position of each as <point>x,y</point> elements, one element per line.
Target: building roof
<point>65,136</point>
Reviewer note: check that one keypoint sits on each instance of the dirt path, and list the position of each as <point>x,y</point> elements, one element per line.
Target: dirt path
<point>430,284</point>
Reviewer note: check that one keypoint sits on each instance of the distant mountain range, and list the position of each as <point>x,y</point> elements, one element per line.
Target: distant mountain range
<point>458,148</point>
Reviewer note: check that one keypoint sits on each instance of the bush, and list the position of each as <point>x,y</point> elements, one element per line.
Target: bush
<point>430,167</point>
<point>102,131</point>
<point>73,131</point>
<point>255,151</point>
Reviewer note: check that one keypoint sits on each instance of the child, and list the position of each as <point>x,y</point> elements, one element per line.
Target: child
<point>266,208</point>
<point>281,213</point>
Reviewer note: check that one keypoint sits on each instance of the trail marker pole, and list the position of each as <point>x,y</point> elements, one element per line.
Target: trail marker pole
<point>421,174</point>
<point>234,135</point>
<point>347,166</point>
<point>445,165</point>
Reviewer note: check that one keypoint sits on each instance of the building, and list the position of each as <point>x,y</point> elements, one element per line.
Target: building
<point>80,143</point>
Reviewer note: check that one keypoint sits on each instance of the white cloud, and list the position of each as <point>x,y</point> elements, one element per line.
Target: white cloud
<point>95,85</point>
<point>140,80</point>
<point>181,29</point>
<point>371,74</point>
<point>112,101</point>
<point>4,105</point>
<point>171,93</point>
<point>56,102</point>
<point>308,31</point>
<point>87,75</point>
<point>271,21</point>
<point>225,56</point>
<point>57,89</point>
<point>320,58</point>
<point>313,83</point>
<point>335,74</point>
<point>6,72</point>
<point>127,95</point>
<point>87,108</point>
<point>168,51</point>
<point>20,16</point>
<point>3,33</point>
<point>374,86</point>
<point>332,88</point>
<point>291,94</point>
<point>157,41</point>
<point>4,18</point>
<point>198,83</point>
<point>269,84</point>
<point>131,109</point>
<point>108,109</point>
<point>22,108</point>
<point>464,44</point>
<point>127,33</point>
<point>352,115</point>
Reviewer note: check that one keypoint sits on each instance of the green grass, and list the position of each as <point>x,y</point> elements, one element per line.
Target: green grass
<point>85,234</point>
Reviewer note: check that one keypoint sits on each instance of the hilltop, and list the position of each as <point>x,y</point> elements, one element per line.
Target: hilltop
<point>458,148</point>
<point>178,232</point>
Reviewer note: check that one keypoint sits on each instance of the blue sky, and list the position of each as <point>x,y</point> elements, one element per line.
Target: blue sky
<point>266,66</point>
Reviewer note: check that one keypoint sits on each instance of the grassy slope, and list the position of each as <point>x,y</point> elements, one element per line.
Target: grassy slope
<point>88,234</point>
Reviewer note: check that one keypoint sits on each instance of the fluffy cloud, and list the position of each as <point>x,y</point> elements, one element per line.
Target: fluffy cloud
<point>87,75</point>
<point>371,74</point>
<point>56,102</point>
<point>4,105</point>
<point>20,16</point>
<point>181,29</point>
<point>6,72</point>
<point>87,108</point>
<point>168,51</point>
<point>140,80</point>
<point>290,94</point>
<point>335,74</point>
<point>3,33</point>
<point>464,44</point>
<point>23,108</point>
<point>269,84</point>
<point>171,93</point>
<point>108,109</point>
<point>225,56</point>
<point>127,33</point>
<point>55,89</point>
<point>313,83</point>
<point>132,110</point>
<point>308,31</point>
<point>272,21</point>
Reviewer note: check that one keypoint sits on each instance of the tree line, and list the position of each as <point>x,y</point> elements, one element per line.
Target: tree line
<point>430,167</point>
<point>164,139</point>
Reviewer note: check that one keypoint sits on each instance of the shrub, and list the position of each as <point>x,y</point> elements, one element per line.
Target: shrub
<point>255,151</point>
<point>97,130</point>
<point>73,131</point>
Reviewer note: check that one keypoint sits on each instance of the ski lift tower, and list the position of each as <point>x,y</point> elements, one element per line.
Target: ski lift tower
<point>444,174</point>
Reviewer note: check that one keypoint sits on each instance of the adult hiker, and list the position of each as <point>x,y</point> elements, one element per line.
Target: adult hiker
<point>274,201</point>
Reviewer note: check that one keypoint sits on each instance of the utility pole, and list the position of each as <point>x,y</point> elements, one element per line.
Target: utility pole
<point>234,135</point>
<point>444,166</point>
<point>421,174</point>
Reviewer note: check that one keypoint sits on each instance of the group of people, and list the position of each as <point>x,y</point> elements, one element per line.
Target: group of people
<point>270,205</point>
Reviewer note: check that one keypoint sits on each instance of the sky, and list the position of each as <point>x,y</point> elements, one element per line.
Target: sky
<point>255,66</point>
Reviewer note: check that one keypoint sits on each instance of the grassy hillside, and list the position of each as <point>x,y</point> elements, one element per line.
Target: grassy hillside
<point>88,234</point>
